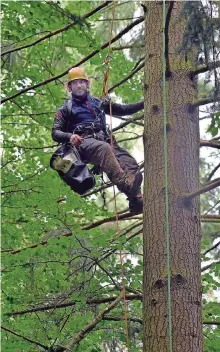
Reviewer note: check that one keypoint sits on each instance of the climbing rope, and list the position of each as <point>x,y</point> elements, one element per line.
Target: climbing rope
<point>166,185</point>
<point>104,94</point>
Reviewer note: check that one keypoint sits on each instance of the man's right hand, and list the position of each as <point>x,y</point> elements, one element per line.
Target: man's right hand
<point>76,140</point>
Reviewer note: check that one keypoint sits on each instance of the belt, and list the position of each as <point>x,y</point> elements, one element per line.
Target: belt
<point>89,128</point>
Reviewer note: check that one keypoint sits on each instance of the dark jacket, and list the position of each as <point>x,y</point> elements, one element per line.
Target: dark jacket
<point>63,125</point>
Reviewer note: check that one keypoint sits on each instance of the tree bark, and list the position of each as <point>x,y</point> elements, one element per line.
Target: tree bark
<point>183,177</point>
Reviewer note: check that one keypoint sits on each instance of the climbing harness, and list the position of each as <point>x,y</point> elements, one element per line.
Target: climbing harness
<point>166,184</point>
<point>99,122</point>
<point>88,129</point>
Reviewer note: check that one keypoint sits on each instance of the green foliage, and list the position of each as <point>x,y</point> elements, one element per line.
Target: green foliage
<point>57,261</point>
<point>214,128</point>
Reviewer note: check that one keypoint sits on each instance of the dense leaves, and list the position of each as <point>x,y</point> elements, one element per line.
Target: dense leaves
<point>49,259</point>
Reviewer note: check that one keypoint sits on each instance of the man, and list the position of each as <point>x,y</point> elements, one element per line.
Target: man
<point>82,123</point>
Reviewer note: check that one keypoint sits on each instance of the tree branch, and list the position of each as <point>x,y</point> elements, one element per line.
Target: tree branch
<point>60,30</point>
<point>106,185</point>
<point>26,338</point>
<point>209,266</point>
<point>214,184</point>
<point>94,301</point>
<point>206,117</point>
<point>204,68</point>
<point>201,102</point>
<point>211,144</point>
<point>210,218</point>
<point>130,139</point>
<point>211,322</point>
<point>110,219</point>
<point>126,78</point>
<point>213,172</point>
<point>35,245</point>
<point>215,138</point>
<point>28,114</point>
<point>140,321</point>
<point>91,325</point>
<point>28,148</point>
<point>122,47</point>
<point>86,58</point>
<point>135,320</point>
<point>127,122</point>
<point>210,249</point>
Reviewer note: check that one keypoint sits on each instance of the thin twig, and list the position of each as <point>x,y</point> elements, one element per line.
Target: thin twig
<point>25,338</point>
<point>209,266</point>
<point>127,77</point>
<point>213,172</point>
<point>128,121</point>
<point>210,249</point>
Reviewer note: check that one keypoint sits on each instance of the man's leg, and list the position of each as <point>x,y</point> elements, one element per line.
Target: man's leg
<point>126,161</point>
<point>130,166</point>
<point>100,153</point>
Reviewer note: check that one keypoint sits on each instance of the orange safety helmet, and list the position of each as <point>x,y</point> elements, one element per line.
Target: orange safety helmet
<point>76,73</point>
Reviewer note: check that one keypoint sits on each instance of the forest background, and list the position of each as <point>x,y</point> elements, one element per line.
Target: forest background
<point>61,252</point>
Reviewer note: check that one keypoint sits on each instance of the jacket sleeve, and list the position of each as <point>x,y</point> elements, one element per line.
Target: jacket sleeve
<point>124,109</point>
<point>60,125</point>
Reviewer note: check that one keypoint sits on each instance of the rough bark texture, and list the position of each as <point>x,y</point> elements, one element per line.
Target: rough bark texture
<point>183,174</point>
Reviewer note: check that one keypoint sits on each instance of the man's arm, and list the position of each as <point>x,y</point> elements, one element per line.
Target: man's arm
<point>59,133</point>
<point>124,109</point>
<point>59,129</point>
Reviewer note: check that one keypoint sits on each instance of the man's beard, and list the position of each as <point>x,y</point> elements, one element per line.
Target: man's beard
<point>81,97</point>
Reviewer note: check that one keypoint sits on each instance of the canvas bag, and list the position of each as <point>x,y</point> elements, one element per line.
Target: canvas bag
<point>73,171</point>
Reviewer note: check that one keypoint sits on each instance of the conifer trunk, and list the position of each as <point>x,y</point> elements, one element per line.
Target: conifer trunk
<point>183,177</point>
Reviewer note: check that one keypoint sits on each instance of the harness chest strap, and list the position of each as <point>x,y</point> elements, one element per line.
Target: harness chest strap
<point>100,116</point>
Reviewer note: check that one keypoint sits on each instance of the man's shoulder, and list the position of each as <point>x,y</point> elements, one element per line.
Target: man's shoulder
<point>65,109</point>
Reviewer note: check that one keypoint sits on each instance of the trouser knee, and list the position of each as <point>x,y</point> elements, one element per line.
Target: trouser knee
<point>108,162</point>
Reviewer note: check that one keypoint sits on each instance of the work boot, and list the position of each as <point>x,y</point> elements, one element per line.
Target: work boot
<point>129,184</point>
<point>136,204</point>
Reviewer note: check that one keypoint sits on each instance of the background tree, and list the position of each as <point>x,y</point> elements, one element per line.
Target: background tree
<point>61,253</point>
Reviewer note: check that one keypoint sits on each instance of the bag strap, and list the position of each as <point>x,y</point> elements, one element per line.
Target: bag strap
<point>101,114</point>
<point>69,105</point>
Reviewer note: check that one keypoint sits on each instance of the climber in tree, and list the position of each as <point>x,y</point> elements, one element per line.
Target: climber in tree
<point>81,121</point>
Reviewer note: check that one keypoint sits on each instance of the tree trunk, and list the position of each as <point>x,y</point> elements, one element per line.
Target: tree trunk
<point>183,177</point>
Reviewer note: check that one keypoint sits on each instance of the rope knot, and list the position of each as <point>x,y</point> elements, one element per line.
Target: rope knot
<point>107,60</point>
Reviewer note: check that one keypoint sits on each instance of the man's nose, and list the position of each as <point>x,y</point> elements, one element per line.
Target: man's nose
<point>79,84</point>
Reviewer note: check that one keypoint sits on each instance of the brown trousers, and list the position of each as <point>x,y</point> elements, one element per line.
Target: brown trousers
<point>111,161</point>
